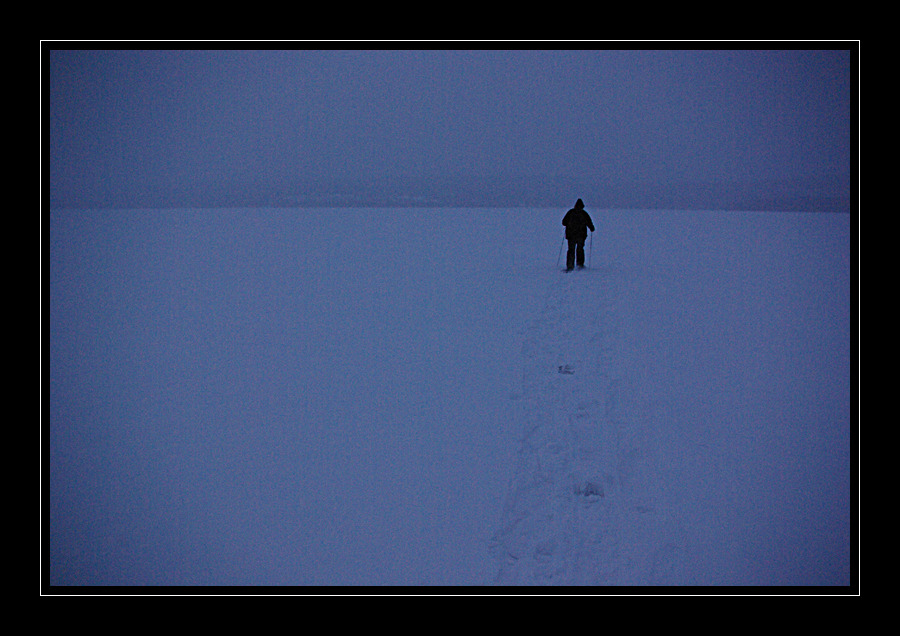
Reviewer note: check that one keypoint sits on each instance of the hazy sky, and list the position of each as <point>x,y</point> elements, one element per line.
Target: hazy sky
<point>127,123</point>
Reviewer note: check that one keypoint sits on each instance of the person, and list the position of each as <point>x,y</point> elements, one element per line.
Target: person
<point>577,222</point>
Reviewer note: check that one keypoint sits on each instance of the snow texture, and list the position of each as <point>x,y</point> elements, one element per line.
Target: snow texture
<point>577,512</point>
<point>686,418</point>
<point>421,397</point>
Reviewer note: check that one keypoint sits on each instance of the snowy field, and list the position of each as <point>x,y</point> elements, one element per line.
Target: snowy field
<point>421,397</point>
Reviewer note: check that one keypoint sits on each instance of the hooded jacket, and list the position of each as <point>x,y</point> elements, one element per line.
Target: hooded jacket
<point>577,222</point>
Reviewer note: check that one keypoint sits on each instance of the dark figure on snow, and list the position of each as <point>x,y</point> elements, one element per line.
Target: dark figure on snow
<point>577,222</point>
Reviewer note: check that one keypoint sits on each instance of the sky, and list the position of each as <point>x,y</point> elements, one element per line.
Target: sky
<point>201,128</point>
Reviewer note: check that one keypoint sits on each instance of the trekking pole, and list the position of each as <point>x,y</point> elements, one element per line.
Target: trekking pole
<point>560,250</point>
<point>591,257</point>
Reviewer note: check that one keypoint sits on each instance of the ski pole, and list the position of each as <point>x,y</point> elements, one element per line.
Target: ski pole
<point>560,250</point>
<point>591,257</point>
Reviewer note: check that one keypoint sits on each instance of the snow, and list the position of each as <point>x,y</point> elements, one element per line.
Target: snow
<point>421,397</point>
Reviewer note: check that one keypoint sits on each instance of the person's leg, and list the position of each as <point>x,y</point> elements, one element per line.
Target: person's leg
<point>580,253</point>
<point>570,255</point>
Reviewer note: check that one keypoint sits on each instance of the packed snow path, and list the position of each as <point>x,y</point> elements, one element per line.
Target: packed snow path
<point>577,511</point>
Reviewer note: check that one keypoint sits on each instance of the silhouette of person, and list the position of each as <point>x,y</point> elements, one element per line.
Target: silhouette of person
<point>577,222</point>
